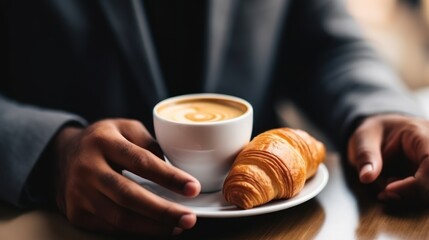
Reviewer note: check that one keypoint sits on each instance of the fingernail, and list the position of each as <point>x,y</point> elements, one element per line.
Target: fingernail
<point>177,231</point>
<point>366,169</point>
<point>187,221</point>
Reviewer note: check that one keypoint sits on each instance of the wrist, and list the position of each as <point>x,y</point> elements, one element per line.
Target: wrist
<point>63,140</point>
<point>61,145</point>
<point>40,185</point>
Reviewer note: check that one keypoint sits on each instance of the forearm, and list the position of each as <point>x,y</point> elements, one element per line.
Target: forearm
<point>26,132</point>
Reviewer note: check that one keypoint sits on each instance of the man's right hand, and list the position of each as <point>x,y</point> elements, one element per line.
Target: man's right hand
<point>93,194</point>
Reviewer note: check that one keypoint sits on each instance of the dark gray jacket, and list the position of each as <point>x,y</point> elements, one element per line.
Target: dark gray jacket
<point>81,61</point>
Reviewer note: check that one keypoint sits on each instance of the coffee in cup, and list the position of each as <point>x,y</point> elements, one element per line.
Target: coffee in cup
<point>202,134</point>
<point>201,110</point>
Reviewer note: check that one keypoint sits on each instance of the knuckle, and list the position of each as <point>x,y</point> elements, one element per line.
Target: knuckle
<point>131,124</point>
<point>100,133</point>
<point>411,130</point>
<point>417,143</point>
<point>135,123</point>
<point>154,147</point>
<point>363,154</point>
<point>139,160</point>
<point>96,136</point>
<point>121,188</point>
<point>136,161</point>
<point>108,180</point>
<point>124,148</point>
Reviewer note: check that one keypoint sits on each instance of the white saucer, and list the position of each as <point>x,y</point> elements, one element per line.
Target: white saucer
<point>213,205</point>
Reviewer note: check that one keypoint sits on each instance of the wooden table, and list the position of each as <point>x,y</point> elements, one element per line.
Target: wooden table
<point>343,210</point>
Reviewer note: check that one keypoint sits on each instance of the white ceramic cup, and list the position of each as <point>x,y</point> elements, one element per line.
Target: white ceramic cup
<point>204,149</point>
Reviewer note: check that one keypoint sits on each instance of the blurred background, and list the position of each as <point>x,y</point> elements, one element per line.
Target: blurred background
<point>399,31</point>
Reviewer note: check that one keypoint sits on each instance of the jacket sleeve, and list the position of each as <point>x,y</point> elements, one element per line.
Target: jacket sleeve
<point>334,75</point>
<point>25,133</point>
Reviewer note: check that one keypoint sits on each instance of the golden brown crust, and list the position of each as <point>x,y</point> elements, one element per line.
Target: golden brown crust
<point>274,165</point>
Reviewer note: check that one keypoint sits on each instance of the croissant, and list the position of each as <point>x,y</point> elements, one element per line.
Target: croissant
<point>274,165</point>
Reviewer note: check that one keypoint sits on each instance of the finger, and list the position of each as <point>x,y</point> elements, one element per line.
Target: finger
<point>399,190</point>
<point>422,174</point>
<point>409,189</point>
<point>124,220</point>
<point>422,178</point>
<point>130,195</point>
<point>135,132</point>
<point>364,152</point>
<point>145,164</point>
<point>124,154</point>
<point>415,142</point>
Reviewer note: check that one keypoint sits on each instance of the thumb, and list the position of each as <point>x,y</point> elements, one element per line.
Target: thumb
<point>364,151</point>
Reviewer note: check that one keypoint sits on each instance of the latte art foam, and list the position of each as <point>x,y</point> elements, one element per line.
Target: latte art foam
<point>201,110</point>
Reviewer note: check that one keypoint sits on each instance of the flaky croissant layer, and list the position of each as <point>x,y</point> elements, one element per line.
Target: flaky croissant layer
<point>274,165</point>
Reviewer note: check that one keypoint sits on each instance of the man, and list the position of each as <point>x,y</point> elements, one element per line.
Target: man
<point>82,78</point>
